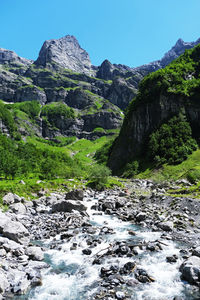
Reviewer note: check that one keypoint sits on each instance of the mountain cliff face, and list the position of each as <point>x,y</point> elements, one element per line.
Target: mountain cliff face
<point>64,53</point>
<point>63,74</point>
<point>162,95</point>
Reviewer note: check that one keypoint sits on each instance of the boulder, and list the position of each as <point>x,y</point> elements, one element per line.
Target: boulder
<point>18,208</point>
<point>68,206</point>
<point>196,251</point>
<point>35,253</point>
<point>13,230</point>
<point>166,226</point>
<point>75,195</point>
<point>190,270</point>
<point>141,217</point>
<point>11,198</point>
<point>4,284</point>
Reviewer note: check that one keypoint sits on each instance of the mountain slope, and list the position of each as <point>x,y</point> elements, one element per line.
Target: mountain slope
<point>162,95</point>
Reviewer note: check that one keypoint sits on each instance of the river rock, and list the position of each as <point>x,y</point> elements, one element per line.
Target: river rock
<point>18,208</point>
<point>18,280</point>
<point>68,206</point>
<point>11,198</point>
<point>4,284</point>
<point>35,253</point>
<point>196,251</point>
<point>190,270</point>
<point>141,217</point>
<point>13,230</point>
<point>120,295</point>
<point>75,195</point>
<point>166,226</point>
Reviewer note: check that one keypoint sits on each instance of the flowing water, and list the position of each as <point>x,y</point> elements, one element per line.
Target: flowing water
<point>72,276</point>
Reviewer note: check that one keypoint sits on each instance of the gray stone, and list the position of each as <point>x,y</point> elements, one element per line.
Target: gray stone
<point>75,195</point>
<point>68,206</point>
<point>18,208</point>
<point>35,253</point>
<point>13,230</point>
<point>4,284</point>
<point>141,216</point>
<point>120,295</point>
<point>190,270</point>
<point>18,280</point>
<point>166,226</point>
<point>196,251</point>
<point>11,198</point>
<point>64,53</point>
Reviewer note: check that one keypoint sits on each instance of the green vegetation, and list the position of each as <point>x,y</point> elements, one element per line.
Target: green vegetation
<point>7,118</point>
<point>172,142</point>
<point>31,108</point>
<point>98,176</point>
<point>53,112</point>
<point>181,77</point>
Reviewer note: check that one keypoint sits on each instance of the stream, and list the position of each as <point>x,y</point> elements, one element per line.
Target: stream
<point>74,275</point>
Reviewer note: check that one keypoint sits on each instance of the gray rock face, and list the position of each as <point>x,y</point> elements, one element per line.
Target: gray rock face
<point>68,206</point>
<point>8,57</point>
<point>178,49</point>
<point>65,53</point>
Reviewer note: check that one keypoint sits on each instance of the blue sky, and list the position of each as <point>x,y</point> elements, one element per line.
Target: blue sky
<point>131,32</point>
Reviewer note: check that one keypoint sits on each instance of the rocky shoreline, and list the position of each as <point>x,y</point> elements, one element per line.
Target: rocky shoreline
<point>58,218</point>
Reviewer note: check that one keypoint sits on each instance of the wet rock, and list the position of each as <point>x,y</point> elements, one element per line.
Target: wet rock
<point>166,226</point>
<point>128,268</point>
<point>75,195</point>
<point>18,208</point>
<point>190,270</point>
<point>87,251</point>
<point>141,217</point>
<point>196,251</point>
<point>142,276</point>
<point>172,259</point>
<point>68,206</point>
<point>18,281</point>
<point>108,205</point>
<point>120,295</point>
<point>4,284</point>
<point>109,270</point>
<point>35,253</point>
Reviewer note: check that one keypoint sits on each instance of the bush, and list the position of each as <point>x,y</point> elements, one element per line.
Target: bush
<point>98,176</point>
<point>193,176</point>
<point>172,142</point>
<point>131,169</point>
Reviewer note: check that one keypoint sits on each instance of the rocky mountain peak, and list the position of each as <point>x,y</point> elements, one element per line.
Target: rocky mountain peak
<point>64,53</point>
<point>10,57</point>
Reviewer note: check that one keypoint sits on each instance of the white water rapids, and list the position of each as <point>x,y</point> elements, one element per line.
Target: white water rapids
<point>72,276</point>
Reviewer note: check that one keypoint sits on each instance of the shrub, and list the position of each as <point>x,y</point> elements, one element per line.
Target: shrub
<point>172,142</point>
<point>98,176</point>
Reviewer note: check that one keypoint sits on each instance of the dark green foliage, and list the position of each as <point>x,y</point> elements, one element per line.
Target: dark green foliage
<point>7,119</point>
<point>131,169</point>
<point>193,176</point>
<point>102,154</point>
<point>31,108</point>
<point>98,176</point>
<point>172,142</point>
<point>56,111</point>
